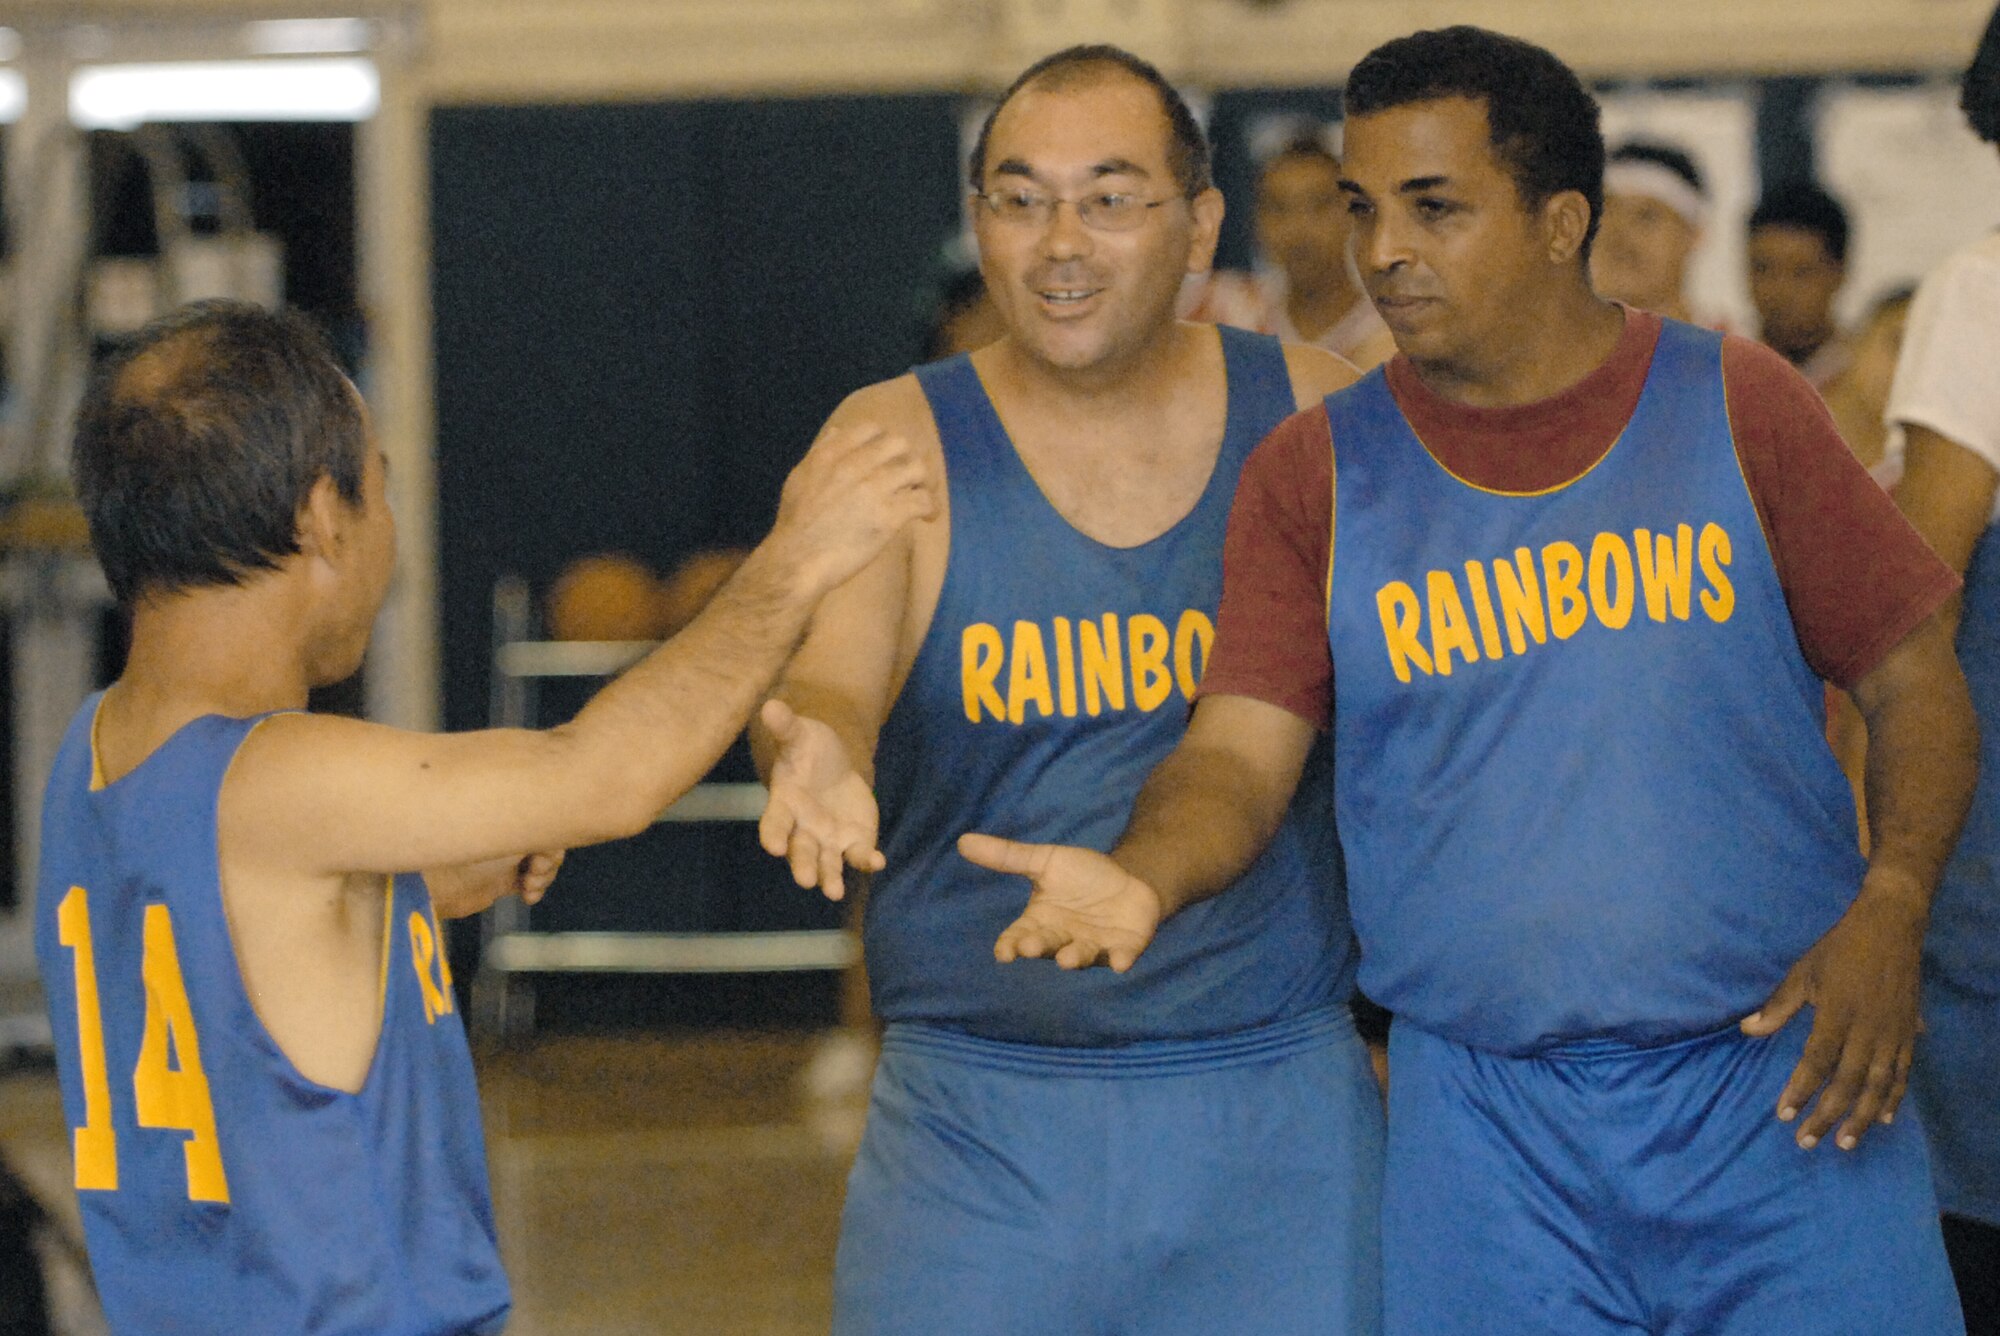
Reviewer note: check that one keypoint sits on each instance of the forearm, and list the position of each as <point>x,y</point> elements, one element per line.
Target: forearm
<point>1202,819</point>
<point>663,725</point>
<point>1922,764</point>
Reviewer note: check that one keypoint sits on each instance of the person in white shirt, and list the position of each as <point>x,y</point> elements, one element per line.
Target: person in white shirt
<point>1946,399</point>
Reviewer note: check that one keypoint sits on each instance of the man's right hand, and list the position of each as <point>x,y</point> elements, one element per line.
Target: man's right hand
<point>821,816</point>
<point>854,491</point>
<point>1085,909</point>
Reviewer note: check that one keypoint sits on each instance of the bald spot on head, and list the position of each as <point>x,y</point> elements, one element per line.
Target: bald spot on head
<point>161,379</point>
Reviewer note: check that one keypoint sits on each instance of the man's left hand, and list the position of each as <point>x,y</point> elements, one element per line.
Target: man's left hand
<point>1861,980</point>
<point>469,888</point>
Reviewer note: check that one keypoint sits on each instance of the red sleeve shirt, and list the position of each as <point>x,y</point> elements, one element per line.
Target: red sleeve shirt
<point>1856,576</point>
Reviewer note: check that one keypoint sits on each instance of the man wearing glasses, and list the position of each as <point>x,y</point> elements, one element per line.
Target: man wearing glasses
<point>1191,1146</point>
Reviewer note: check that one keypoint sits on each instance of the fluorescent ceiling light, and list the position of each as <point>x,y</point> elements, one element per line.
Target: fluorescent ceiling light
<point>13,96</point>
<point>305,37</point>
<point>118,97</point>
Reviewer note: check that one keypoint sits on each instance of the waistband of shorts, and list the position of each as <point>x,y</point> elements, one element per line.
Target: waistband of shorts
<point>1602,1048</point>
<point>1153,1057</point>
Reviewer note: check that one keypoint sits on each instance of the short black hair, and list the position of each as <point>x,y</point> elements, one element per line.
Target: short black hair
<point>1187,151</point>
<point>1673,159</point>
<point>200,441</point>
<point>1979,92</point>
<point>1807,206</point>
<point>1542,122</point>
<point>1308,146</point>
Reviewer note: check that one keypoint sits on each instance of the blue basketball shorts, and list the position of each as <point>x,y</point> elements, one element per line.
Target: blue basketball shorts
<point>1226,1185</point>
<point>1606,1189</point>
<point>1955,1084</point>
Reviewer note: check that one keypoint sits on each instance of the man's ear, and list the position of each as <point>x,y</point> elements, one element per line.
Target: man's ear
<point>1207,210</point>
<point>322,519</point>
<point>1565,222</point>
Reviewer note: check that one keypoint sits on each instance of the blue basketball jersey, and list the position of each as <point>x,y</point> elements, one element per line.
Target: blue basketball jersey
<point>1056,673</point>
<point>1964,940</point>
<point>221,1190</point>
<point>1584,785</point>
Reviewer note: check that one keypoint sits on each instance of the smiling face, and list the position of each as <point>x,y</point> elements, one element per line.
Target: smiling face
<point>1456,262</point>
<point>1074,297</point>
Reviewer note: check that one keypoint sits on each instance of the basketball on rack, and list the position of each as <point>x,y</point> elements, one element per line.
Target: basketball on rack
<point>606,596</point>
<point>693,583</point>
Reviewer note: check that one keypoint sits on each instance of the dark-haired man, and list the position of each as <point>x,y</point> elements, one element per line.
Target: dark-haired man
<point>1655,208</point>
<point>1600,858</point>
<point>1945,399</point>
<point>1305,291</point>
<point>276,1127</point>
<point>1192,1147</point>
<point>1798,261</point>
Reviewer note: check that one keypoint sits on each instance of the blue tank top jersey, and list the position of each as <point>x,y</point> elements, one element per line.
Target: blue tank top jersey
<point>1584,786</point>
<point>1056,673</point>
<point>1964,939</point>
<point>221,1190</point>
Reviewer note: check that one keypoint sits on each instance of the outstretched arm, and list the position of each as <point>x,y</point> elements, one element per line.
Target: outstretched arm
<point>814,742</point>
<point>323,795</point>
<point>1204,815</point>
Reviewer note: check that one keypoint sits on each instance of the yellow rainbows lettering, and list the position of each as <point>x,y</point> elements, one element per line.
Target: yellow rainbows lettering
<point>1509,605</point>
<point>1086,665</point>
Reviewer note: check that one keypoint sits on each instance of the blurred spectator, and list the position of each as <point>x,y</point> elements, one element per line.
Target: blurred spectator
<point>1655,209</point>
<point>1305,290</point>
<point>1798,260</point>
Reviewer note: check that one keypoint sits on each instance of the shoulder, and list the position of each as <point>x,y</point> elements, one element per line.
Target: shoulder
<point>1962,292</point>
<point>897,405</point>
<point>1298,453</point>
<point>1761,383</point>
<point>1316,373</point>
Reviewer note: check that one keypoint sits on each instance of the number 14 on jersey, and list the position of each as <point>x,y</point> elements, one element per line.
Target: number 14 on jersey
<point>169,1088</point>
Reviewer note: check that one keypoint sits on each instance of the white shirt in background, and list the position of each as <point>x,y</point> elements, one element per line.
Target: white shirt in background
<point>1948,374</point>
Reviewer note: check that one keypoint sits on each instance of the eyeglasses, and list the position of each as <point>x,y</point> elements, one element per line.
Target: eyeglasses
<point>1106,211</point>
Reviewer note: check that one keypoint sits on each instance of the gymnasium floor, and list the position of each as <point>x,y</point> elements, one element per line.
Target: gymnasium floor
<point>646,1184</point>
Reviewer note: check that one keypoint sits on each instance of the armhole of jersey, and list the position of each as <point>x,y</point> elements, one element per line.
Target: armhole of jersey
<point>1332,506</point>
<point>388,924</point>
<point>96,761</point>
<point>1736,454</point>
<point>242,985</point>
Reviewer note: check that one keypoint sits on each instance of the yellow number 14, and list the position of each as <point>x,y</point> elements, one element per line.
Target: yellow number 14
<point>169,1088</point>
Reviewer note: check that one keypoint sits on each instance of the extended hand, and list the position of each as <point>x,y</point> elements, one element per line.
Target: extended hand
<point>1861,980</point>
<point>821,816</point>
<point>458,892</point>
<point>1084,910</point>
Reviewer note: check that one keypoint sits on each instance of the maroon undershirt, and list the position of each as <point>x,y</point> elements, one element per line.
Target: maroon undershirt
<point>1856,576</point>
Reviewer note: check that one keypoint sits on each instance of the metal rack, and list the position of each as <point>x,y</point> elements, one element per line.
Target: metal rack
<point>511,952</point>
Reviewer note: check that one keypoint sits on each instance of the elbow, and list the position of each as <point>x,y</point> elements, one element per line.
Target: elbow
<point>615,792</point>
